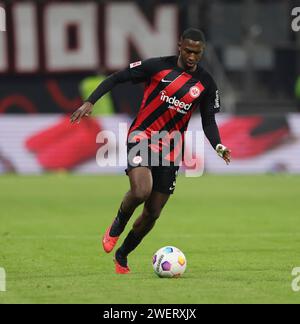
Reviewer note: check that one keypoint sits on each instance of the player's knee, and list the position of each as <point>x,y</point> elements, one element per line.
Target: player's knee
<point>141,194</point>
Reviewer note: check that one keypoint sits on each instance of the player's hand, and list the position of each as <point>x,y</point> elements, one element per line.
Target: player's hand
<point>84,111</point>
<point>224,153</point>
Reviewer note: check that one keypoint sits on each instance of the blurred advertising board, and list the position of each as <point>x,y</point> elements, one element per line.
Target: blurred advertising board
<point>48,143</point>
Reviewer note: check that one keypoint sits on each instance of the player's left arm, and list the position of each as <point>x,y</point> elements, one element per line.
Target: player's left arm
<point>208,108</point>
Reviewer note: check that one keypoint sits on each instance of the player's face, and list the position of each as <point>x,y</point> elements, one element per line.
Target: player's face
<point>190,53</point>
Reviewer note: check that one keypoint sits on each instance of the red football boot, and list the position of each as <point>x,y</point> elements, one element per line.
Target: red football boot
<point>120,269</point>
<point>109,242</point>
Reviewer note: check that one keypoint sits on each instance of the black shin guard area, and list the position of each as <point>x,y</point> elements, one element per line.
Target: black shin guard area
<point>130,243</point>
<point>119,224</point>
<point>121,259</point>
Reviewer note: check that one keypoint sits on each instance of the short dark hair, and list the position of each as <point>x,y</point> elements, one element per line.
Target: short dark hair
<point>193,34</point>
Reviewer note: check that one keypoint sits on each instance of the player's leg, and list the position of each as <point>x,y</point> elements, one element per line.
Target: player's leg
<point>142,226</point>
<point>140,189</point>
<point>164,181</point>
<point>141,183</point>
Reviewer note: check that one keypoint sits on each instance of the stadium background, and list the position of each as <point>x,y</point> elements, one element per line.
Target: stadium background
<point>54,53</point>
<point>52,57</point>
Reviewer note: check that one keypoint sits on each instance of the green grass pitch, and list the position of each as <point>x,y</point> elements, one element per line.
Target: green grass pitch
<point>240,235</point>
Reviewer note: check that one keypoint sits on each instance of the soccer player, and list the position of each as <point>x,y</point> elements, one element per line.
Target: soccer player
<point>175,86</point>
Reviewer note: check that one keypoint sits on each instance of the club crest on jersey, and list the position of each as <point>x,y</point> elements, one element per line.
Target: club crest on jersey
<point>132,65</point>
<point>137,160</point>
<point>195,92</point>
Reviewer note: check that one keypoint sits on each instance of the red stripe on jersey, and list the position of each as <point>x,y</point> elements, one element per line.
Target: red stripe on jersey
<point>154,83</point>
<point>170,113</point>
<point>187,117</point>
<point>165,141</point>
<point>173,156</point>
<point>156,102</point>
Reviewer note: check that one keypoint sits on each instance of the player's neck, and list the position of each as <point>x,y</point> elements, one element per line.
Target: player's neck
<point>181,65</point>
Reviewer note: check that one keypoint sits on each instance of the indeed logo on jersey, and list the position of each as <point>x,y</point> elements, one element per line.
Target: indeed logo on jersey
<point>175,103</point>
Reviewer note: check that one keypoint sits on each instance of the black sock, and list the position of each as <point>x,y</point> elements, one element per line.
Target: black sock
<point>119,223</point>
<point>129,244</point>
<point>122,260</point>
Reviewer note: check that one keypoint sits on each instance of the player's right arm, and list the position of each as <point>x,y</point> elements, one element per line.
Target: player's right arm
<point>136,72</point>
<point>86,109</point>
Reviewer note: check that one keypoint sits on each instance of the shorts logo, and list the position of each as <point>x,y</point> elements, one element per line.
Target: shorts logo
<point>195,92</point>
<point>173,186</point>
<point>137,160</point>
<point>132,65</point>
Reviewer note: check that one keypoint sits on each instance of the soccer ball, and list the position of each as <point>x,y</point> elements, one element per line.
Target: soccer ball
<point>169,262</point>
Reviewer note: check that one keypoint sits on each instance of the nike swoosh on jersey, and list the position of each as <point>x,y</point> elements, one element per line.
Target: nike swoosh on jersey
<point>163,80</point>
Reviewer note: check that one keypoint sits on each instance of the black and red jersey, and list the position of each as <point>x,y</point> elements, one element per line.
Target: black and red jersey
<point>171,95</point>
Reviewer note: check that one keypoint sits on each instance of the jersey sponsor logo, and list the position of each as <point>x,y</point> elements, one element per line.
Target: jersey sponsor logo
<point>195,92</point>
<point>174,101</point>
<point>134,64</point>
<point>217,100</point>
